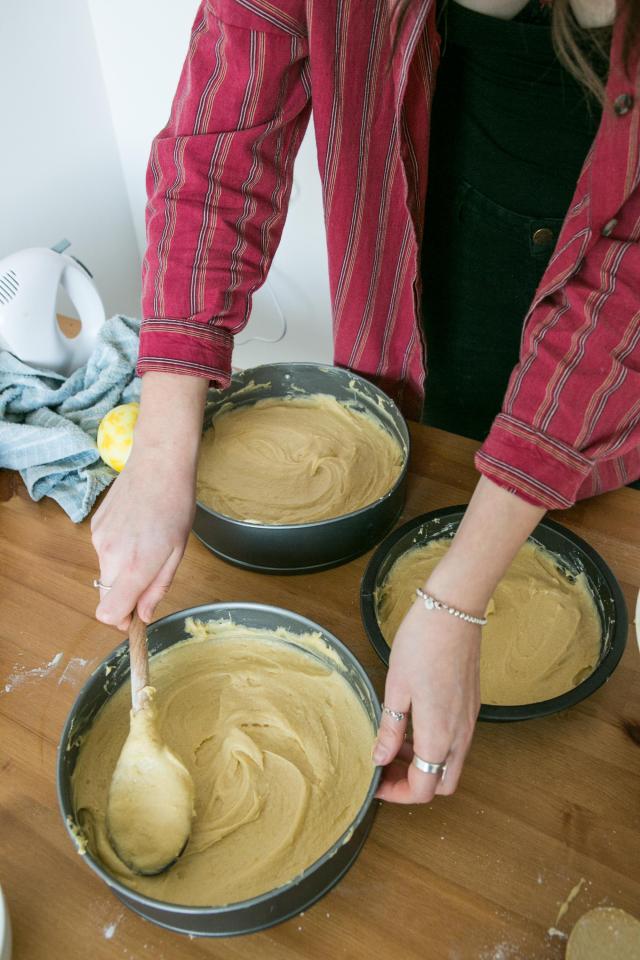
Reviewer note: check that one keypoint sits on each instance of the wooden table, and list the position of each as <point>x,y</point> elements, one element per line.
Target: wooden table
<point>479,876</point>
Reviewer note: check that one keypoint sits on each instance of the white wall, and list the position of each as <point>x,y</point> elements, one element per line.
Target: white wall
<point>60,172</point>
<point>141,46</point>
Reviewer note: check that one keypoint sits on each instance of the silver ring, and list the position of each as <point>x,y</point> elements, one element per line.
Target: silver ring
<point>99,585</point>
<point>394,714</point>
<point>426,767</point>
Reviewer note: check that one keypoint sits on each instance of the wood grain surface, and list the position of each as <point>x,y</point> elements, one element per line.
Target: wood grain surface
<point>479,876</point>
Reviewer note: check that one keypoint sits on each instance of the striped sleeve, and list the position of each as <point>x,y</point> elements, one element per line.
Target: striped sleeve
<point>218,183</point>
<point>570,423</point>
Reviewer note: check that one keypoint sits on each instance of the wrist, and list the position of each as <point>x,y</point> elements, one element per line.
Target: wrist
<point>495,525</point>
<point>171,412</point>
<point>448,587</point>
<point>433,603</point>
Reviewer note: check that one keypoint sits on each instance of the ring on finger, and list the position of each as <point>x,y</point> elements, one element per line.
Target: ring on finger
<point>396,715</point>
<point>425,766</point>
<point>99,585</point>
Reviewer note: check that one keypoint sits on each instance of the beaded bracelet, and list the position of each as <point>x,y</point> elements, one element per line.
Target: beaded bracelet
<point>432,604</point>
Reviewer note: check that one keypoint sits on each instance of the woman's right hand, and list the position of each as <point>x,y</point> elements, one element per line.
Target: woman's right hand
<point>141,528</point>
<point>140,533</point>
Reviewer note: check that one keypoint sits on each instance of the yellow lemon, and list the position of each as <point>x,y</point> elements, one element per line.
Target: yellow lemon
<point>115,434</point>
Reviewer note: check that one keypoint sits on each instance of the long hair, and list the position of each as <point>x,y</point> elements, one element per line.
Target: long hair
<point>576,47</point>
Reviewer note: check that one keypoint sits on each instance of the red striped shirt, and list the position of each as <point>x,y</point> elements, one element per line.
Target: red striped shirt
<point>219,181</point>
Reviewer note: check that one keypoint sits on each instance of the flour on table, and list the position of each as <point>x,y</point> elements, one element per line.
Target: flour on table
<point>109,930</point>
<point>22,675</point>
<point>72,673</point>
<point>503,951</point>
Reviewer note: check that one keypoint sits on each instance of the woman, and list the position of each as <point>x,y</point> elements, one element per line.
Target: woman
<point>219,180</point>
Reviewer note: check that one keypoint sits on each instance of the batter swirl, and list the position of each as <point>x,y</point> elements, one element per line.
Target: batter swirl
<point>295,460</point>
<point>543,634</point>
<point>279,748</point>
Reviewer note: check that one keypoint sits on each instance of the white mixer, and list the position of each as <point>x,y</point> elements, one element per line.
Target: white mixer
<point>29,282</point>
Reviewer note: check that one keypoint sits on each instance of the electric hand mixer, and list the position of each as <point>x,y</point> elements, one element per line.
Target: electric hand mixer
<point>29,282</point>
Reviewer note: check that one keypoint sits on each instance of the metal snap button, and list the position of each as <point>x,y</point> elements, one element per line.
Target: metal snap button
<point>542,235</point>
<point>623,104</point>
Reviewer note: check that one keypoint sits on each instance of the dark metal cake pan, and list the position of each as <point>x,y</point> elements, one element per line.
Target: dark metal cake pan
<point>246,916</point>
<point>305,547</point>
<point>574,555</point>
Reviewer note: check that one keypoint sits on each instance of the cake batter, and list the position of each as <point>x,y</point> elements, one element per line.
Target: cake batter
<point>279,748</point>
<point>543,634</point>
<point>295,460</point>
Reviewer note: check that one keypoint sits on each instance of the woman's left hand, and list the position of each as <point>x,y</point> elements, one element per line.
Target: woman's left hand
<point>434,675</point>
<point>434,669</point>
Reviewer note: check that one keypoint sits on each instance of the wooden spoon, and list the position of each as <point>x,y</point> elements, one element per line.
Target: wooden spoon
<point>150,804</point>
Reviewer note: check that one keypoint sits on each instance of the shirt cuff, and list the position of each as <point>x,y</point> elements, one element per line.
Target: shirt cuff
<point>185,346</point>
<point>536,467</point>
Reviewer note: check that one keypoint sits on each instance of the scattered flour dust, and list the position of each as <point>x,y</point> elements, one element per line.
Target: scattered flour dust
<point>21,675</point>
<point>73,671</point>
<point>109,930</point>
<point>503,951</point>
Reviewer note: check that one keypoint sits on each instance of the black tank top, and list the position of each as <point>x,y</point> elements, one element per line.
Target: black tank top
<point>507,116</point>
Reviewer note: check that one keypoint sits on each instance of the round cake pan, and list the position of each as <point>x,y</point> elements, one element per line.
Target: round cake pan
<point>246,916</point>
<point>305,547</point>
<point>574,555</point>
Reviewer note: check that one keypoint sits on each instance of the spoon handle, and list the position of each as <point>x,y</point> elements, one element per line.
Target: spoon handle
<point>139,661</point>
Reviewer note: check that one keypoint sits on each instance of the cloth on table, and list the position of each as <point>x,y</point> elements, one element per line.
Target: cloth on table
<point>49,423</point>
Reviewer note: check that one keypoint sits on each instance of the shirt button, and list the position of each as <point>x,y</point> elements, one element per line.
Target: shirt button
<point>542,236</point>
<point>623,103</point>
<point>609,227</point>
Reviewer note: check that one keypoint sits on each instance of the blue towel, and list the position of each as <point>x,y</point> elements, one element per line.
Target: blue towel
<point>48,423</point>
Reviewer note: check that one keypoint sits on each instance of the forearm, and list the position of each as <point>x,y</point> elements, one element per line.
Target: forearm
<point>208,250</point>
<point>170,420</point>
<point>570,421</point>
<point>494,527</point>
